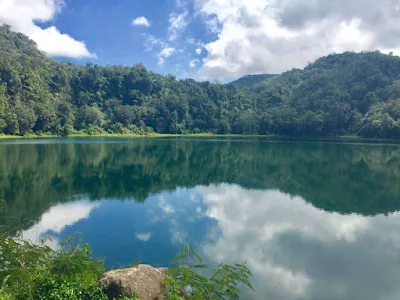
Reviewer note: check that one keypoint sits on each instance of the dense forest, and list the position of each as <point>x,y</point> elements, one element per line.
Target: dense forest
<point>341,94</point>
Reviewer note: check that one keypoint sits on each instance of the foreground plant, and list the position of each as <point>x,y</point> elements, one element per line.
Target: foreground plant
<point>35,271</point>
<point>222,284</point>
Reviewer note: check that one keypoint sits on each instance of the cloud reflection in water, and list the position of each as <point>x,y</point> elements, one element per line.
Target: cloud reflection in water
<point>56,219</point>
<point>299,252</point>
<point>295,250</point>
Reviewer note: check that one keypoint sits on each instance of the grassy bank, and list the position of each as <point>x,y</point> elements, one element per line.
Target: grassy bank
<point>114,135</point>
<point>344,138</point>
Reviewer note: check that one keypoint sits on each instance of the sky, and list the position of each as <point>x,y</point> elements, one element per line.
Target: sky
<point>205,39</point>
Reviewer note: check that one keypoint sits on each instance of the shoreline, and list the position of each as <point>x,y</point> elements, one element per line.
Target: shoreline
<point>344,138</point>
<point>106,135</point>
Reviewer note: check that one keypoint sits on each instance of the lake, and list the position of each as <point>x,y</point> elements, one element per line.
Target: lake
<point>312,220</point>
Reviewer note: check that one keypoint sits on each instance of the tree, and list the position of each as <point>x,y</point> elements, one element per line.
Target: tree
<point>126,114</point>
<point>26,118</point>
<point>245,122</point>
<point>89,115</point>
<point>46,117</point>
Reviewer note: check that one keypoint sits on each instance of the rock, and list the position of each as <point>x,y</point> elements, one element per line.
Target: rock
<point>144,281</point>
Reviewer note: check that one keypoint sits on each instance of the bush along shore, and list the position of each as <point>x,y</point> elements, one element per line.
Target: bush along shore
<point>30,271</point>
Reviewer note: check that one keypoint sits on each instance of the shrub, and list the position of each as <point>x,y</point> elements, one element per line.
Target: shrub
<point>223,283</point>
<point>34,271</point>
<point>56,288</point>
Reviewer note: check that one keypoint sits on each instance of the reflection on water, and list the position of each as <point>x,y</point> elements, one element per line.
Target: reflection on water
<point>312,220</point>
<point>295,250</point>
<point>299,252</point>
<point>56,219</point>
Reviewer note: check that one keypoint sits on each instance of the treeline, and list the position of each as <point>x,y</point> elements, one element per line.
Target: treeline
<point>346,94</point>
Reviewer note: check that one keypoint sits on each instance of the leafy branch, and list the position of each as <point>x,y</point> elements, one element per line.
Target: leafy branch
<point>223,284</point>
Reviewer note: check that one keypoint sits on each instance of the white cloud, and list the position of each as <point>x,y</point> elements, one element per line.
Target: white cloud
<point>54,43</point>
<point>164,54</point>
<point>141,21</point>
<point>177,24</point>
<point>213,24</point>
<point>193,63</point>
<point>151,42</point>
<point>194,42</point>
<point>198,51</point>
<point>144,237</point>
<point>297,251</point>
<point>271,36</point>
<point>167,52</point>
<point>180,3</point>
<point>21,15</point>
<point>57,218</point>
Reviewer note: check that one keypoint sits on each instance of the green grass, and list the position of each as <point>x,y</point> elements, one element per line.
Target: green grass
<point>194,135</point>
<point>27,136</point>
<point>115,135</point>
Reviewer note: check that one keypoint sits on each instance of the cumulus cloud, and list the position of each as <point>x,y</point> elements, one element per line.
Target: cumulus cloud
<point>141,21</point>
<point>21,15</point>
<point>297,251</point>
<point>177,24</point>
<point>271,36</point>
<point>198,51</point>
<point>164,54</point>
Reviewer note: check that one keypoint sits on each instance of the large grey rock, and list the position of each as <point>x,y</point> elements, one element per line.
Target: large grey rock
<point>144,281</point>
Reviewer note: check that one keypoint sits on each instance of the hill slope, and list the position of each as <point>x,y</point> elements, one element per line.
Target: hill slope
<point>250,81</point>
<point>350,93</point>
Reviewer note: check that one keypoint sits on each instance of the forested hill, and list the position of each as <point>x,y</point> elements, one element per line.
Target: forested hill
<point>340,94</point>
<point>250,81</point>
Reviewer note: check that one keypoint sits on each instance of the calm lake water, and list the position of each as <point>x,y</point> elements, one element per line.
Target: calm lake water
<point>313,220</point>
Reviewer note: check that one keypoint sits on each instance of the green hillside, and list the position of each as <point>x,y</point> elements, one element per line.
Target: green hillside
<point>250,81</point>
<point>341,94</point>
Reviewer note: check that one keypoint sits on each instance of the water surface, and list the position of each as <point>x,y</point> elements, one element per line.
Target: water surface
<point>313,220</point>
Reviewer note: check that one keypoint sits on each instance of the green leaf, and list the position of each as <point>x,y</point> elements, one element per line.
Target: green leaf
<point>199,266</point>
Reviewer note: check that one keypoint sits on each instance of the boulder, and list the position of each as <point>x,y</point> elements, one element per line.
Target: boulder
<point>144,281</point>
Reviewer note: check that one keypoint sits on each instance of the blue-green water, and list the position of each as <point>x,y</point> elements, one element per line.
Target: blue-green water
<point>313,220</point>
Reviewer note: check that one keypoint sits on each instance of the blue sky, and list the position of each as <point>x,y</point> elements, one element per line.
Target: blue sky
<point>205,39</point>
<point>109,33</point>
